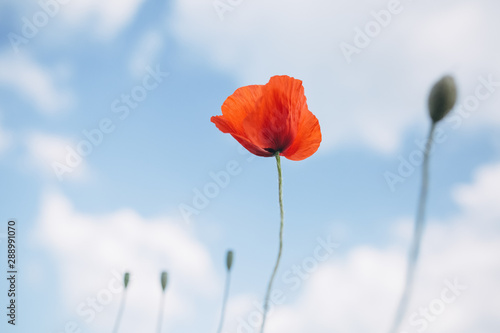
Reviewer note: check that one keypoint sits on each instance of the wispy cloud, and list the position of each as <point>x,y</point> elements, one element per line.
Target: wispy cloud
<point>371,101</point>
<point>51,155</point>
<point>91,250</point>
<point>358,292</point>
<point>35,83</point>
<point>104,18</point>
<point>5,137</point>
<point>145,53</point>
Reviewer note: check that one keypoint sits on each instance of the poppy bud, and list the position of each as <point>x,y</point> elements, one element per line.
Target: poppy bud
<point>229,260</point>
<point>164,278</point>
<point>126,279</point>
<point>442,98</point>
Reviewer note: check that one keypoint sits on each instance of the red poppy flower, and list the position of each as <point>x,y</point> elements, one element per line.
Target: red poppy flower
<point>271,118</point>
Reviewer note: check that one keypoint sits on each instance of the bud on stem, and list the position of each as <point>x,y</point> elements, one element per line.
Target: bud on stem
<point>442,98</point>
<point>229,259</point>
<point>164,279</point>
<point>126,279</point>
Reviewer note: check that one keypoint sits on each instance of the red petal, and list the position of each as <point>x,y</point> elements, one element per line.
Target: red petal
<point>270,118</point>
<point>307,140</point>
<point>252,147</point>
<point>273,123</point>
<point>236,108</point>
<point>234,111</point>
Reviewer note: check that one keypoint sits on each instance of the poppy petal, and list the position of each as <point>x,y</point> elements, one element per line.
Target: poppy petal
<point>224,126</point>
<point>273,123</point>
<point>307,140</point>
<point>236,108</point>
<point>271,118</point>
<point>252,147</point>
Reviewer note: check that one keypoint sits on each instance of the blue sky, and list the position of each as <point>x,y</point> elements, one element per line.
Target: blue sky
<point>120,208</point>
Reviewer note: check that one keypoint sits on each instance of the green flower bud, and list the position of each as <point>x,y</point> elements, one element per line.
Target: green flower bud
<point>442,98</point>
<point>126,279</point>
<point>164,279</point>
<point>229,260</point>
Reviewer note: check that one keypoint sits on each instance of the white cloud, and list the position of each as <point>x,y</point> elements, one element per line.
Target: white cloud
<point>5,138</point>
<point>355,292</point>
<point>34,83</point>
<point>358,292</point>
<point>57,21</point>
<point>90,250</point>
<point>145,53</point>
<point>104,18</point>
<point>47,153</point>
<point>371,101</point>
<point>481,197</point>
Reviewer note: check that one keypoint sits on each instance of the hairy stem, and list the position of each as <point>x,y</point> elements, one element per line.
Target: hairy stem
<point>224,301</point>
<point>120,311</point>
<point>282,213</point>
<point>160,315</point>
<point>417,237</point>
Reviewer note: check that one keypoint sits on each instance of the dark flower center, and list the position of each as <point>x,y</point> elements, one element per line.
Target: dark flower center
<point>273,151</point>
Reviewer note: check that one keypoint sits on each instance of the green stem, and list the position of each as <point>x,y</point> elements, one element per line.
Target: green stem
<point>160,315</point>
<point>417,236</point>
<point>120,311</point>
<point>282,213</point>
<point>224,301</point>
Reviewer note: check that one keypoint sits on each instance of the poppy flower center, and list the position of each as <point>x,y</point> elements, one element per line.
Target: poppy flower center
<point>272,151</point>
